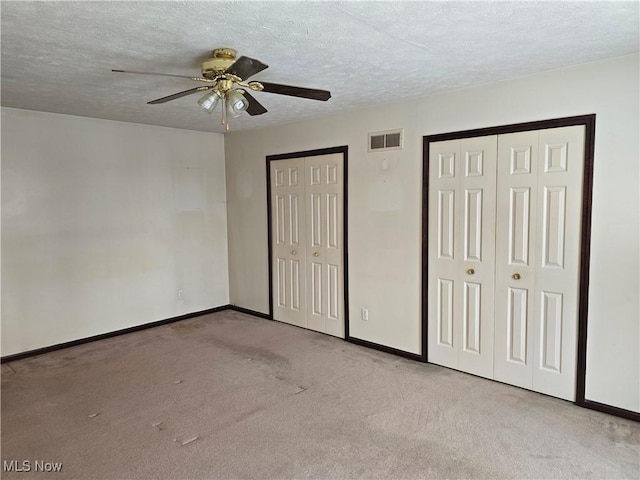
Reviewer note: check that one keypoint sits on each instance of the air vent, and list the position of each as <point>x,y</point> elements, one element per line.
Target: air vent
<point>389,140</point>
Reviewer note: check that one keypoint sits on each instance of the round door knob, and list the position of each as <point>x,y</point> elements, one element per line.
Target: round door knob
<point>293,252</point>
<point>471,271</point>
<point>516,276</point>
<point>315,254</point>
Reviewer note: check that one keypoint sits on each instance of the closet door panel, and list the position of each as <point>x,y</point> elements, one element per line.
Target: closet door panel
<point>444,274</point>
<point>289,243</point>
<point>477,216</point>
<point>515,257</point>
<point>461,259</point>
<point>559,205</point>
<point>324,193</point>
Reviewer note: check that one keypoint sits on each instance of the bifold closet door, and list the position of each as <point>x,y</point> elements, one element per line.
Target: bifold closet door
<point>324,237</point>
<point>462,209</point>
<point>537,258</point>
<point>504,256</point>
<point>288,241</point>
<point>307,242</point>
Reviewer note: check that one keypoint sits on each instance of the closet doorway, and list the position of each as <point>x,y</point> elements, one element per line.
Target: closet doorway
<point>307,239</point>
<point>506,221</point>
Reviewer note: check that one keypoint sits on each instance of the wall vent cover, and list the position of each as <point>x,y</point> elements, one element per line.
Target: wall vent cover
<point>387,140</point>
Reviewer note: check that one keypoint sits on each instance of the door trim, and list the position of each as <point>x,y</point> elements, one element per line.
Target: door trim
<point>589,122</point>
<point>344,150</point>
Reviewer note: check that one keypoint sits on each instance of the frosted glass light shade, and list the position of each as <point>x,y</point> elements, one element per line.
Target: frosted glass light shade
<point>236,102</point>
<point>209,101</point>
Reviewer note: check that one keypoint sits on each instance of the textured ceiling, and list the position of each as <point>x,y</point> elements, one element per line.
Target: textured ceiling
<point>58,56</point>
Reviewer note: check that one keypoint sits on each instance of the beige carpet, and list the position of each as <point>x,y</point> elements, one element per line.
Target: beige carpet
<point>231,396</point>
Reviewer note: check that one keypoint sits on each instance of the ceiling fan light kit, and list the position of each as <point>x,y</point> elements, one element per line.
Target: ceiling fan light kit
<point>226,80</point>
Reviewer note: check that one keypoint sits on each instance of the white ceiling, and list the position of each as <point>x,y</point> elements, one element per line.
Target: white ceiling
<point>58,56</point>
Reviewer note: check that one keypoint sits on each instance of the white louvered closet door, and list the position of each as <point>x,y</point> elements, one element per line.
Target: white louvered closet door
<point>461,255</point>
<point>307,242</point>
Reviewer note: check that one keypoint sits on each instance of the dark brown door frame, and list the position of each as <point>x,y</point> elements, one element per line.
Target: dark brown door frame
<point>344,150</point>
<point>589,122</point>
<point>347,336</point>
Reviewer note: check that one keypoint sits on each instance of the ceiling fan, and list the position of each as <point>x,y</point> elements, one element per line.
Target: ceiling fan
<point>226,80</point>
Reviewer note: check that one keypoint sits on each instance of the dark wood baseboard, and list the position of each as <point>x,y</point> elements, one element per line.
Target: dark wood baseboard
<point>604,408</point>
<point>250,312</point>
<point>384,348</point>
<point>73,343</point>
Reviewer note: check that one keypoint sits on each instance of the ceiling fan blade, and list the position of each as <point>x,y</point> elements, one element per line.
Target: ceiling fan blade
<point>311,93</point>
<point>199,79</point>
<point>246,67</point>
<point>255,107</point>
<point>178,95</point>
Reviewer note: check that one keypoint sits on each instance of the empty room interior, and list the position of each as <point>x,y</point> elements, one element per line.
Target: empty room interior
<point>267,239</point>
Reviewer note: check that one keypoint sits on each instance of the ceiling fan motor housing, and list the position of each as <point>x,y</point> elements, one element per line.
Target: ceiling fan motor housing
<point>222,59</point>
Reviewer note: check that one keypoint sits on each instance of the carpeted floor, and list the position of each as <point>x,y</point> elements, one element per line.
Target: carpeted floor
<point>231,396</point>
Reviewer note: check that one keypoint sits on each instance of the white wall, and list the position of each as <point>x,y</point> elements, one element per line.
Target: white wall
<point>385,206</point>
<point>103,222</point>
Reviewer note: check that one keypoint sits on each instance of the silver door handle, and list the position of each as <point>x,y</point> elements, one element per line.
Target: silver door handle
<point>293,252</point>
